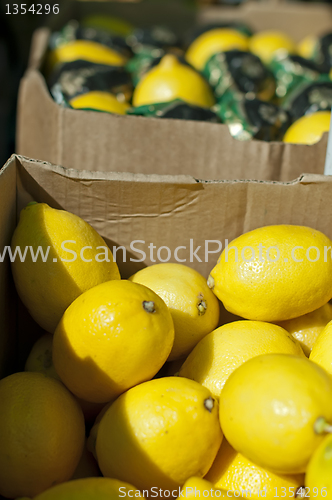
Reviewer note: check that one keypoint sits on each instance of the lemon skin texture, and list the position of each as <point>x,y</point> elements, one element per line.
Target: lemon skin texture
<point>309,129</point>
<point>112,337</point>
<point>265,44</point>
<point>196,487</point>
<point>42,434</point>
<point>226,348</point>
<point>256,282</point>
<point>48,288</point>
<point>232,471</point>
<point>159,434</point>
<point>306,329</point>
<point>171,80</point>
<point>319,472</point>
<point>101,488</point>
<point>270,407</point>
<point>100,101</point>
<point>193,306</point>
<point>87,51</point>
<point>322,350</point>
<point>213,41</point>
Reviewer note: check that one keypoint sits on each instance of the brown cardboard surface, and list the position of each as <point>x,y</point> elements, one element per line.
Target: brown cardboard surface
<point>99,141</point>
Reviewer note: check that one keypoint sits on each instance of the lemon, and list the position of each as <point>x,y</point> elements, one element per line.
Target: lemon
<point>172,80</point>
<point>159,434</point>
<point>322,350</point>
<point>87,466</point>
<point>194,308</point>
<point>92,488</point>
<point>234,472</point>
<point>100,101</point>
<point>308,327</point>
<point>273,410</point>
<point>226,348</point>
<point>111,338</point>
<point>87,51</point>
<point>309,128</point>
<point>75,259</point>
<point>195,487</point>
<point>274,273</point>
<point>41,434</point>
<point>40,357</point>
<point>306,47</point>
<point>318,477</point>
<point>213,41</point>
<point>265,44</point>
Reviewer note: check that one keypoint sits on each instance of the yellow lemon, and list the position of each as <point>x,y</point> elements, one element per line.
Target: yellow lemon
<point>40,360</point>
<point>234,472</point>
<point>92,488</point>
<point>213,41</point>
<point>87,466</point>
<point>309,128</point>
<point>87,51</point>
<point>195,487</point>
<point>274,410</point>
<point>194,308</point>
<point>322,350</point>
<point>159,434</point>
<point>226,348</point>
<point>307,328</point>
<point>171,79</point>
<point>41,434</point>
<point>40,357</point>
<point>306,47</point>
<point>274,273</point>
<point>100,101</point>
<point>64,257</point>
<point>318,477</point>
<point>265,44</point>
<point>112,337</point>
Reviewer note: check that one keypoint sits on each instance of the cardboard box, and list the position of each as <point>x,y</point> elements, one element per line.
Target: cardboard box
<point>96,141</point>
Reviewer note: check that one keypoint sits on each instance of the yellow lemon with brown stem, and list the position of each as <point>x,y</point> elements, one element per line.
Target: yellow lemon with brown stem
<point>171,79</point>
<point>307,328</point>
<point>275,410</point>
<point>213,41</point>
<point>265,44</point>
<point>112,337</point>
<point>193,306</point>
<point>196,487</point>
<point>222,351</point>
<point>318,479</point>
<point>92,488</point>
<point>64,257</point>
<point>322,350</point>
<point>99,101</point>
<point>159,434</point>
<point>274,273</point>
<point>42,434</point>
<point>232,471</point>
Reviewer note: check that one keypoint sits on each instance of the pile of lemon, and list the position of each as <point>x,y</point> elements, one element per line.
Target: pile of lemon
<point>179,73</point>
<point>135,390</point>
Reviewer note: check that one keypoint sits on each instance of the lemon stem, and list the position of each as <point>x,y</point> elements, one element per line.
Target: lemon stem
<point>209,404</point>
<point>201,306</point>
<point>210,282</point>
<point>148,306</point>
<point>322,427</point>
